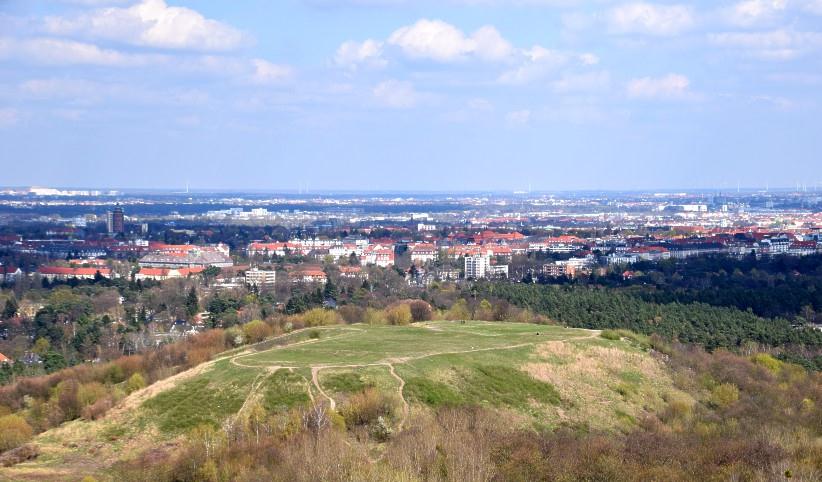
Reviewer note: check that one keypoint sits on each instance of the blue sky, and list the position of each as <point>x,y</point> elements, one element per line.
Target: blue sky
<point>411,94</point>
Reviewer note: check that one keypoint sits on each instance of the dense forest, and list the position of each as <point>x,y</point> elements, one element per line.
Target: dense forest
<point>778,286</point>
<point>698,323</point>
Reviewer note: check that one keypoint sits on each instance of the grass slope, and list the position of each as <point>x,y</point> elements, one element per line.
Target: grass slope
<point>534,375</point>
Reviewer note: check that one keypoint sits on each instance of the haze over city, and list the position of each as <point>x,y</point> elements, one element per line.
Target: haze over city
<point>402,95</point>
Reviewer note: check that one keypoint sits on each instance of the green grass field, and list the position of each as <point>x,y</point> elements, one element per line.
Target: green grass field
<point>532,375</point>
<point>376,344</point>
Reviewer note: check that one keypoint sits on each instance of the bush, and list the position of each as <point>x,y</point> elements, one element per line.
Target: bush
<point>319,317</point>
<point>366,407</point>
<point>459,311</point>
<point>352,314</point>
<point>89,393</point>
<point>134,383</point>
<point>98,409</point>
<point>724,395</point>
<point>420,310</point>
<point>19,455</point>
<point>256,331</point>
<point>767,361</point>
<point>14,432</point>
<point>398,315</point>
<point>373,317</point>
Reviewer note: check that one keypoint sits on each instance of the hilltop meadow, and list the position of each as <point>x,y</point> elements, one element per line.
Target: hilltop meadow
<point>446,400</point>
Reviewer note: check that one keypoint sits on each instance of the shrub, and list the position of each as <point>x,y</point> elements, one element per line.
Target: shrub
<point>352,314</point>
<point>612,335</point>
<point>724,395</point>
<point>319,317</point>
<point>89,393</point>
<point>98,409</point>
<point>256,331</point>
<point>373,317</point>
<point>420,310</point>
<point>19,455</point>
<point>134,383</point>
<point>66,395</point>
<point>366,407</point>
<point>14,432</point>
<point>767,361</point>
<point>398,315</point>
<point>459,311</point>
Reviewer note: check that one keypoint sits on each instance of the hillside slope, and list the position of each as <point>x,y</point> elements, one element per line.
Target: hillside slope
<point>532,375</point>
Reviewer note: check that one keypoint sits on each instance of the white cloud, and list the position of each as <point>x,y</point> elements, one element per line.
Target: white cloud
<point>151,23</point>
<point>518,117</point>
<point>8,117</point>
<point>752,12</point>
<point>480,104</point>
<point>396,94</point>
<point>587,82</point>
<point>266,72</point>
<point>354,54</point>
<point>442,42</point>
<point>588,59</point>
<point>47,88</point>
<point>650,19</point>
<point>780,44</point>
<point>671,86</point>
<point>812,6</point>
<point>68,52</point>
<point>539,62</point>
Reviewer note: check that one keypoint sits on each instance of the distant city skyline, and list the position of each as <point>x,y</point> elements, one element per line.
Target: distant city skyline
<point>405,96</point>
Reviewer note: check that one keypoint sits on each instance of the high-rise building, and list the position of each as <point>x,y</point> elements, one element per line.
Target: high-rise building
<point>477,266</point>
<point>115,221</point>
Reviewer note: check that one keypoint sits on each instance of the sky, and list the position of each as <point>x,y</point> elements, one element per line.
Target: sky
<point>414,95</point>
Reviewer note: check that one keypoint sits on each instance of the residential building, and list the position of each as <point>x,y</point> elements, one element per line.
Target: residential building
<point>162,274</point>
<point>115,221</point>
<point>9,274</point>
<point>352,272</point>
<point>498,271</point>
<point>308,275</point>
<point>187,256</point>
<point>379,255</point>
<point>477,266</point>
<point>423,253</point>
<point>60,273</point>
<point>259,277</point>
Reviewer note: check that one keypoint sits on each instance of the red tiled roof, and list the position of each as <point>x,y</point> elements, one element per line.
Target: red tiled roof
<point>61,271</point>
<point>4,359</point>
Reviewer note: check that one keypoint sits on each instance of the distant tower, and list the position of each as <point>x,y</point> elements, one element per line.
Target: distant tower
<point>115,222</point>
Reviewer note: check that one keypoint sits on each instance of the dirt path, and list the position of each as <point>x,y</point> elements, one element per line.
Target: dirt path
<point>315,369</point>
<point>315,377</point>
<point>405,407</point>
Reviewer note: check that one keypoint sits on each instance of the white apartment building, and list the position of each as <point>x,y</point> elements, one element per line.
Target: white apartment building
<point>477,266</point>
<point>259,277</point>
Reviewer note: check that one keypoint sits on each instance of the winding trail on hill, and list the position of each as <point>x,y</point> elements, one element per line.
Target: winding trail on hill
<point>389,363</point>
<point>405,407</point>
<point>315,378</point>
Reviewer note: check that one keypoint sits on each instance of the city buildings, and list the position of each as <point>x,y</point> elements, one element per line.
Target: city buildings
<point>59,273</point>
<point>115,221</point>
<point>477,266</point>
<point>187,256</point>
<point>260,278</point>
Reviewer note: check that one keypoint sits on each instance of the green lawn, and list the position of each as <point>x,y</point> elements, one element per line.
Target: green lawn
<point>443,363</point>
<point>375,344</point>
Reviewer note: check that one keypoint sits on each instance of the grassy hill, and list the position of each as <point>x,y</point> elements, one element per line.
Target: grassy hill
<point>532,375</point>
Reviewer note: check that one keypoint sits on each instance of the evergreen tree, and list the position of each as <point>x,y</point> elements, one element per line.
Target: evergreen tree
<point>10,311</point>
<point>192,302</point>
<point>330,290</point>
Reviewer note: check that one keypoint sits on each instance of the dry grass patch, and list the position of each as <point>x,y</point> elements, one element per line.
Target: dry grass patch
<point>603,387</point>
